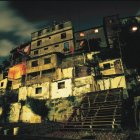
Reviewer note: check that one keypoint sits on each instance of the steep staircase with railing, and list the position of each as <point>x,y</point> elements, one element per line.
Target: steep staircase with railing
<point>98,111</point>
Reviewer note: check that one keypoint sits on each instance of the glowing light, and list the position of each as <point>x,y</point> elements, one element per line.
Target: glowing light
<point>96,30</point>
<point>134,28</point>
<point>82,34</point>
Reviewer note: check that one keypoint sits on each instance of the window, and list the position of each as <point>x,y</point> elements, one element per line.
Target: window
<point>49,37</point>
<point>47,60</point>
<point>33,75</point>
<point>39,42</point>
<point>35,52</point>
<point>106,66</point>
<point>45,72</point>
<point>34,63</point>
<point>66,46</point>
<point>61,85</point>
<point>63,35</point>
<point>39,33</point>
<point>53,28</point>
<point>2,84</point>
<point>57,45</point>
<point>46,48</point>
<point>38,90</point>
<point>60,26</point>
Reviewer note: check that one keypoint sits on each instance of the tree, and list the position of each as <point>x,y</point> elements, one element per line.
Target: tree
<point>38,107</point>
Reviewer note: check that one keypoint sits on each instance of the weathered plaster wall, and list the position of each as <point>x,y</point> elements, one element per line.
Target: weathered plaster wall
<point>45,91</point>
<point>115,67</point>
<point>84,85</point>
<point>22,95</point>
<point>109,83</point>
<point>31,91</point>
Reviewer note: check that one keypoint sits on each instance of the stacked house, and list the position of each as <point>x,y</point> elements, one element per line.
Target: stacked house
<point>59,62</point>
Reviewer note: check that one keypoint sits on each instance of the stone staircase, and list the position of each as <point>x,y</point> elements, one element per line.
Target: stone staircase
<point>98,111</point>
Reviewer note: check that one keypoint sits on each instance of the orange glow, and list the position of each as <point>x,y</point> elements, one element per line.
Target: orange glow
<point>82,34</point>
<point>17,71</point>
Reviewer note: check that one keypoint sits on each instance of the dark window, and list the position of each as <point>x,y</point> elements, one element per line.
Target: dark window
<point>106,66</point>
<point>61,85</point>
<point>56,45</point>
<point>33,75</point>
<point>45,72</point>
<point>94,44</point>
<point>34,63</point>
<point>39,33</point>
<point>47,60</point>
<point>60,26</point>
<point>53,28</point>
<point>38,90</point>
<point>63,35</point>
<point>66,46</point>
<point>2,84</point>
<point>49,37</point>
<point>39,42</point>
<point>46,48</point>
<point>35,52</point>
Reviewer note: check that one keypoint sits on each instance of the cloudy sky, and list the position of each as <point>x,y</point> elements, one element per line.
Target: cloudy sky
<point>19,19</point>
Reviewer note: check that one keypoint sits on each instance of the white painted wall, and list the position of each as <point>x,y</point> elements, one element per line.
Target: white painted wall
<point>64,92</point>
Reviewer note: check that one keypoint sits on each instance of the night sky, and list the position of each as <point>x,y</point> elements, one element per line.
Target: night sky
<point>18,19</point>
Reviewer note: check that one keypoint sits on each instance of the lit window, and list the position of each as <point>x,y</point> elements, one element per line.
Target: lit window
<point>61,85</point>
<point>2,84</point>
<point>63,35</point>
<point>35,52</point>
<point>34,63</point>
<point>134,28</point>
<point>82,34</point>
<point>39,42</point>
<point>47,60</point>
<point>38,90</point>
<point>96,30</point>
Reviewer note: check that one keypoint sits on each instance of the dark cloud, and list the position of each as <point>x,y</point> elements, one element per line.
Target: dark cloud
<point>20,18</point>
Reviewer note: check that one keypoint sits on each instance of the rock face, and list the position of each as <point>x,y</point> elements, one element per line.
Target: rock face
<point>28,116</point>
<point>14,112</point>
<point>23,114</point>
<point>1,111</point>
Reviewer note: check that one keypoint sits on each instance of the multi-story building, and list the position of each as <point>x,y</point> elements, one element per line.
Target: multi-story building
<point>58,38</point>
<point>17,70</point>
